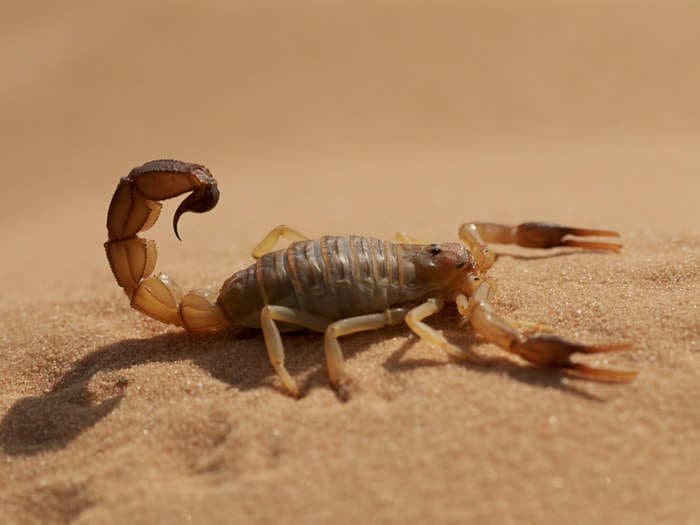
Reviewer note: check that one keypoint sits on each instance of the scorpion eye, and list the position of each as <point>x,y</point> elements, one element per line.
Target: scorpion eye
<point>435,250</point>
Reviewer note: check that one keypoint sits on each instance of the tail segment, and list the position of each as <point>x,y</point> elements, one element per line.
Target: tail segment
<point>135,208</point>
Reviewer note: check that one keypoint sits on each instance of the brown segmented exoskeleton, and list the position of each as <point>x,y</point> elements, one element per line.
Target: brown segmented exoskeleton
<point>336,285</point>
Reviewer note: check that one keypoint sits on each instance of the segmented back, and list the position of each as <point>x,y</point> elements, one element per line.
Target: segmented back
<point>334,277</point>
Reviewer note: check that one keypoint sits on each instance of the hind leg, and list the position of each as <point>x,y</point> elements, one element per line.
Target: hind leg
<point>351,325</point>
<point>273,340</point>
<point>269,241</point>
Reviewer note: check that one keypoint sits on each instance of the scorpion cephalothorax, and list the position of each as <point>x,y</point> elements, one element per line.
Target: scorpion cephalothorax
<point>335,285</point>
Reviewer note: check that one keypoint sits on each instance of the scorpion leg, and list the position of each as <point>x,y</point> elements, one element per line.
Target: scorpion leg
<point>544,350</point>
<point>271,239</point>
<point>414,319</point>
<point>351,325</point>
<point>273,341</point>
<point>543,235</point>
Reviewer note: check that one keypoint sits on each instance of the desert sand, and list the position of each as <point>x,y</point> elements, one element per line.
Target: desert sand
<point>337,119</point>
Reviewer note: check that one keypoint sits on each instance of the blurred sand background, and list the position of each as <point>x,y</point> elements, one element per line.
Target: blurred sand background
<point>335,118</point>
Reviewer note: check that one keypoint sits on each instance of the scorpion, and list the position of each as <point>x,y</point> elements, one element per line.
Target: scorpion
<point>337,285</point>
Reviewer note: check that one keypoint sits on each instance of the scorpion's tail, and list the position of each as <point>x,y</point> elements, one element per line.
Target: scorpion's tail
<point>135,208</point>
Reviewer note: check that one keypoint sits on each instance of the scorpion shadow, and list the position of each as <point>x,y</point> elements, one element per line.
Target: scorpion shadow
<point>544,255</point>
<point>55,418</point>
<point>530,375</point>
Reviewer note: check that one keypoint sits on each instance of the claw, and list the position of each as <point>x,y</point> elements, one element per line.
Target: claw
<point>549,235</point>
<point>555,352</point>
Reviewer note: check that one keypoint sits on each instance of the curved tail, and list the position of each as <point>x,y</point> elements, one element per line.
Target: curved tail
<point>135,208</point>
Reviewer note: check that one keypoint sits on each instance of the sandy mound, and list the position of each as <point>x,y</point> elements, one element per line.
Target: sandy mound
<point>342,120</point>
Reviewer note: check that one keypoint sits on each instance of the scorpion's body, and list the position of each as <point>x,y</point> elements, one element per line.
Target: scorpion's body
<point>335,285</point>
<point>332,277</point>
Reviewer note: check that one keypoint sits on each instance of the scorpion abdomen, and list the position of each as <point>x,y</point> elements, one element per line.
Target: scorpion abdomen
<point>333,277</point>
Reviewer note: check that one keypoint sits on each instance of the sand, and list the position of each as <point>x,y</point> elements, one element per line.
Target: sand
<point>367,119</point>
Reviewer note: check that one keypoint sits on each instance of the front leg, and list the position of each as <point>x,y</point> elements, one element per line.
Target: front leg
<point>544,350</point>
<point>414,320</point>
